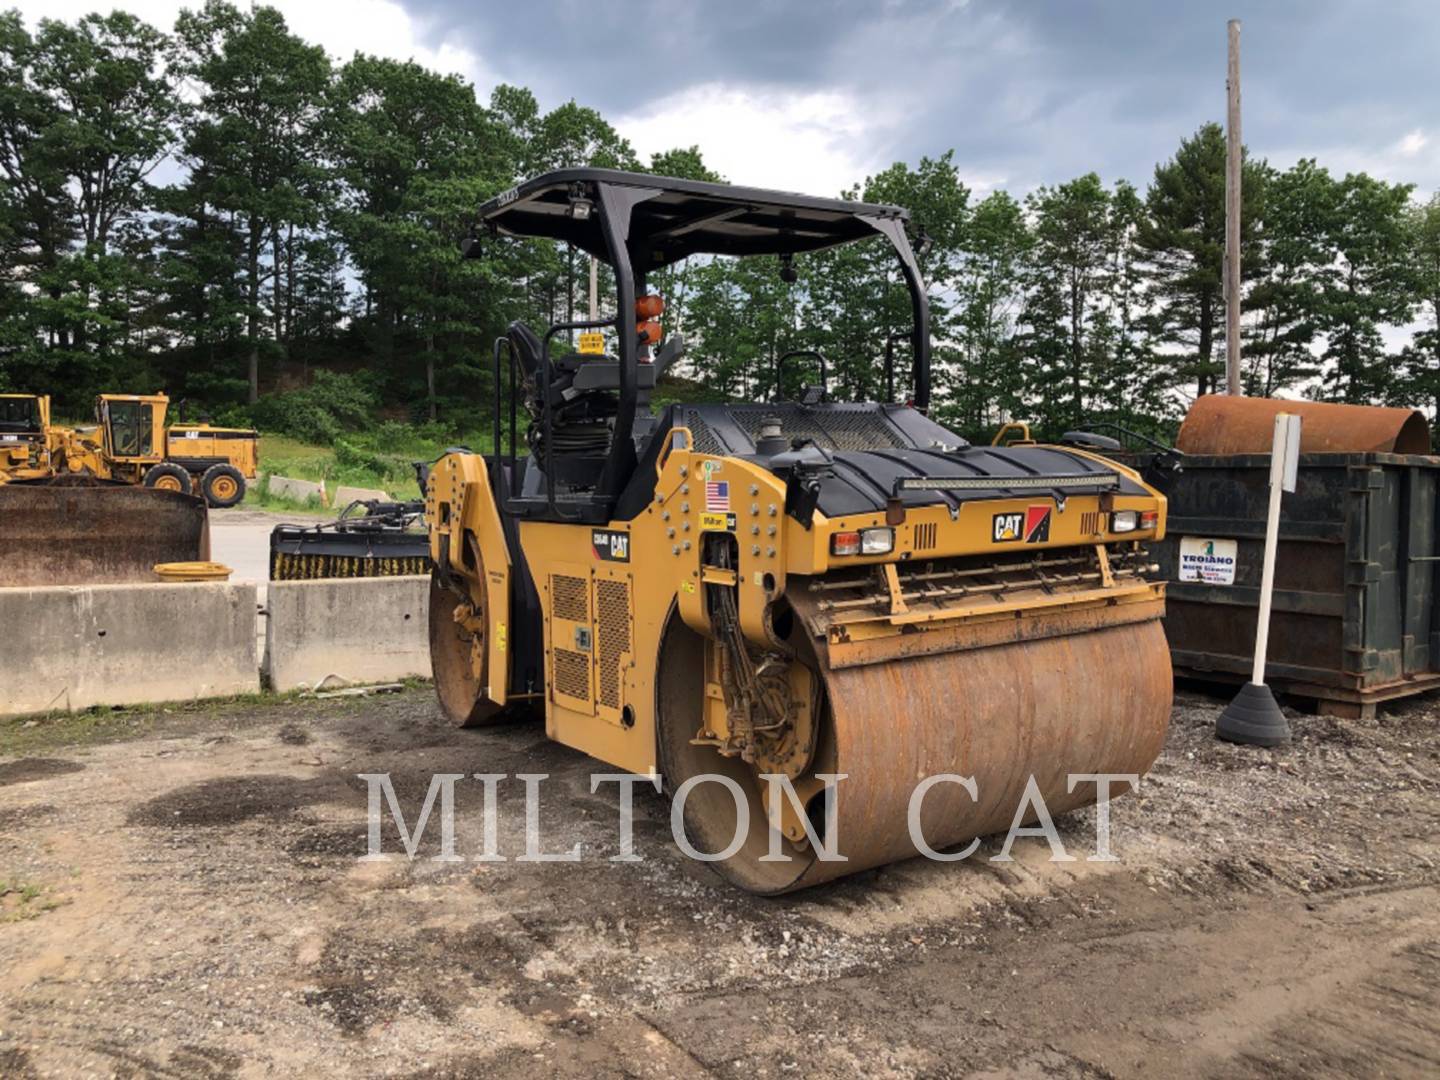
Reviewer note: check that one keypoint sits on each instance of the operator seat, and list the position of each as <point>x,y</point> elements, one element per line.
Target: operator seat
<point>577,378</point>
<point>527,348</point>
<point>583,398</point>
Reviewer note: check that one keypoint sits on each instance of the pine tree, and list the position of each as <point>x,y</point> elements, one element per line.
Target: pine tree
<point>1183,238</point>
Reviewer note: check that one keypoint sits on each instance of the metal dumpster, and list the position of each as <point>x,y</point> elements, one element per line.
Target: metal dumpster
<point>1354,618</point>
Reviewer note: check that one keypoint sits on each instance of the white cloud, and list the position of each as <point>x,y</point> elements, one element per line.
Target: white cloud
<point>1412,158</point>
<point>806,142</point>
<point>343,27</point>
<point>1412,144</point>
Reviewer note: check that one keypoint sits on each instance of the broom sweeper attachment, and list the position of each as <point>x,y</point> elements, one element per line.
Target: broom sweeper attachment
<point>795,611</point>
<point>368,539</point>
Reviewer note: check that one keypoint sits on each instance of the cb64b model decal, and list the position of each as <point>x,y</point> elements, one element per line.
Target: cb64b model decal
<point>610,545</point>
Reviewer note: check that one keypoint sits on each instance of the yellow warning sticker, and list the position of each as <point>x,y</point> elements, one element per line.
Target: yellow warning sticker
<point>500,636</point>
<point>717,522</point>
<point>592,343</point>
<point>687,586</point>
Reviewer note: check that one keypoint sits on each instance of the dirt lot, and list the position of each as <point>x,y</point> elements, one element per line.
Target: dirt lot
<point>187,901</point>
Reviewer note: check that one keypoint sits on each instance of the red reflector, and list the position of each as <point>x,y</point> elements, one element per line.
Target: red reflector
<point>845,543</point>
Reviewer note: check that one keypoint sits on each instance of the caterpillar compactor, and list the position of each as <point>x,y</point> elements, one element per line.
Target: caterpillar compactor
<point>799,588</point>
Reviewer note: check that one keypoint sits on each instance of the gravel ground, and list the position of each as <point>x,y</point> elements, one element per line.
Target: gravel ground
<point>186,899</point>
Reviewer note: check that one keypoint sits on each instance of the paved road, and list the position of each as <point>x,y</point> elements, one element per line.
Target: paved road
<point>240,539</point>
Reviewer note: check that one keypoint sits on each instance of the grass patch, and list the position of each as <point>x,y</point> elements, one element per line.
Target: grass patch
<point>26,735</point>
<point>258,495</point>
<point>24,900</point>
<point>380,459</point>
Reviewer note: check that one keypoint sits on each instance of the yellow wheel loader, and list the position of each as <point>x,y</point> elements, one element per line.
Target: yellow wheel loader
<point>108,504</point>
<point>797,611</point>
<point>131,443</point>
<point>27,441</point>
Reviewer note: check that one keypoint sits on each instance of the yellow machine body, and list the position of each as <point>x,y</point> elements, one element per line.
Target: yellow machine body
<point>843,597</point>
<point>607,595</point>
<point>27,441</point>
<point>239,447</point>
<point>602,700</point>
<point>131,443</point>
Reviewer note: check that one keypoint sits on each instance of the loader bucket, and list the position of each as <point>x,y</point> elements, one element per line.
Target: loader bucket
<point>68,533</point>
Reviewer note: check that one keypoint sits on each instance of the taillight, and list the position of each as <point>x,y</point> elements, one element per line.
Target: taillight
<point>1150,519</point>
<point>845,543</point>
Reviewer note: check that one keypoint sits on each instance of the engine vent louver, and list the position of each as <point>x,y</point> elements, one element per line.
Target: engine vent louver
<point>569,598</point>
<point>612,602</point>
<point>572,674</point>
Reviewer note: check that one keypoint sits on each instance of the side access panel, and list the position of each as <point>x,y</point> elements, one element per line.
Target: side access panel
<point>590,640</point>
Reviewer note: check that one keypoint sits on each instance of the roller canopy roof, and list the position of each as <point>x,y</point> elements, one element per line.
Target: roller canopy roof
<point>672,219</point>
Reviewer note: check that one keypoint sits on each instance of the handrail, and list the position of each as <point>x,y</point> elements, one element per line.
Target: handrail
<point>780,370</point>
<point>498,472</point>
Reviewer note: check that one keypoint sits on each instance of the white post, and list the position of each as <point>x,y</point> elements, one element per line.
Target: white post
<point>1284,461</point>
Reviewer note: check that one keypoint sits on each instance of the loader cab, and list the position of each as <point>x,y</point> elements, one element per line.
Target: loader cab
<point>24,433</point>
<point>23,417</point>
<point>132,426</point>
<point>591,429</point>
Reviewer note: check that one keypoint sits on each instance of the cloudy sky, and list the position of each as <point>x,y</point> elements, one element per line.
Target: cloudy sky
<point>814,95</point>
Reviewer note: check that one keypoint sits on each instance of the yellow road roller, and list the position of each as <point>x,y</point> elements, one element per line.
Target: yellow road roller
<point>846,596</point>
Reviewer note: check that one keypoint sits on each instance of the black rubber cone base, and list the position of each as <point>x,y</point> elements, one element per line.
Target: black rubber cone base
<point>1253,718</point>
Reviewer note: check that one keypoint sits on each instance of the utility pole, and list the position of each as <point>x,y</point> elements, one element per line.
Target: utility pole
<point>1232,215</point>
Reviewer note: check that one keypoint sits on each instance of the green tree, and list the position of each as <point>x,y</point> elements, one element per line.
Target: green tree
<point>1367,283</point>
<point>985,385</point>
<point>742,319</point>
<point>676,282</point>
<point>939,205</point>
<point>1183,239</point>
<point>1284,301</point>
<point>1422,355</point>
<point>1068,286</point>
<point>1129,382</point>
<point>85,116</point>
<point>568,137</point>
<point>249,142</point>
<point>415,154</point>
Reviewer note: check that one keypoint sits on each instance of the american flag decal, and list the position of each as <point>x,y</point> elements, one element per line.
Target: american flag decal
<point>717,495</point>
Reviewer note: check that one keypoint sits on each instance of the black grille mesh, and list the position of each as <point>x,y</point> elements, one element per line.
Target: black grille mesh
<point>705,441</point>
<point>860,428</point>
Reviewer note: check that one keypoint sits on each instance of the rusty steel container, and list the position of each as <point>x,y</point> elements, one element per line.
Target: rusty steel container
<point>1355,619</point>
<point>1217,424</point>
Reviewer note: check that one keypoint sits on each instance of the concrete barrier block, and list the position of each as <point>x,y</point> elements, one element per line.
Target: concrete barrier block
<point>346,631</point>
<point>345,495</point>
<point>299,490</point>
<point>69,647</point>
